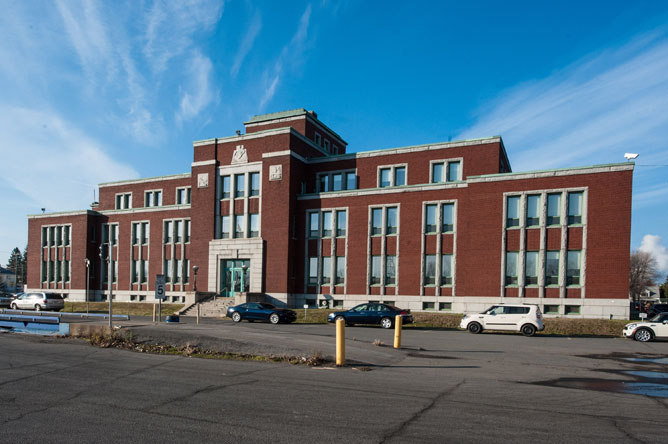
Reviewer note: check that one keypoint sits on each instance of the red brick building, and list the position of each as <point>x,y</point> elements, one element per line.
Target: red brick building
<point>284,212</point>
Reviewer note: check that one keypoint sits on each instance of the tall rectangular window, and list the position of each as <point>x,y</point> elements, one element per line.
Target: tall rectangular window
<point>436,172</point>
<point>376,221</point>
<point>144,233</point>
<point>375,270</point>
<point>324,183</point>
<point>225,227</point>
<point>513,211</point>
<point>390,270</point>
<point>239,225</point>
<point>59,236</point>
<point>391,220</point>
<point>255,184</point>
<point>575,208</point>
<point>66,270</point>
<point>134,277</point>
<point>66,235</point>
<point>44,271</point>
<point>226,187</point>
<point>178,231</point>
<point>351,181</point>
<point>341,223</point>
<point>326,270</point>
<point>531,268</point>
<point>239,185</point>
<point>52,236</point>
<point>340,270</point>
<point>385,177</point>
<point>169,231</point>
<point>552,268</point>
<point>399,176</point>
<point>186,275</point>
<point>446,269</point>
<point>168,270</point>
<point>448,218</point>
<point>533,210</point>
<point>453,171</point>
<point>254,225</point>
<point>59,267</point>
<point>337,182</point>
<point>179,270</point>
<point>314,224</point>
<point>183,196</point>
<point>135,234</point>
<point>313,271</point>
<point>144,271</point>
<point>326,224</point>
<point>45,236</point>
<point>186,230</point>
<point>430,269</point>
<point>573,267</point>
<point>553,209</point>
<point>511,267</point>
<point>430,219</point>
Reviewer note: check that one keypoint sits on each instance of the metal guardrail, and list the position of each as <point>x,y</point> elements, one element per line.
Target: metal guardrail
<point>59,315</point>
<point>26,318</point>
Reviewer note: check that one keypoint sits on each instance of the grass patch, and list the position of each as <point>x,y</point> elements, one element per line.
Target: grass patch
<point>313,316</point>
<point>126,342</point>
<point>128,308</point>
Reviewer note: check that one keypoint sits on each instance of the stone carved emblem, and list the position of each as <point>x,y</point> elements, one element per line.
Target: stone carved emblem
<point>203,180</point>
<point>239,155</point>
<point>276,172</point>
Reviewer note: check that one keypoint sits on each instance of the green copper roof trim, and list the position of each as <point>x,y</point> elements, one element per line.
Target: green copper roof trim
<point>279,115</point>
<point>555,170</point>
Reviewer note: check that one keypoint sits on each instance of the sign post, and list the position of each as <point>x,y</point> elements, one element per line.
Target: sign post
<point>159,292</point>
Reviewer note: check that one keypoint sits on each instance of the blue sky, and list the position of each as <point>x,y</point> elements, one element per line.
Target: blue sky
<point>100,91</point>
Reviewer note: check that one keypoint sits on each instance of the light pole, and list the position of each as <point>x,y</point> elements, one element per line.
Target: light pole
<point>87,262</point>
<point>195,268</point>
<point>16,271</point>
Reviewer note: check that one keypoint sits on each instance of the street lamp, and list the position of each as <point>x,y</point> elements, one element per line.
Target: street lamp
<point>87,262</point>
<point>195,268</point>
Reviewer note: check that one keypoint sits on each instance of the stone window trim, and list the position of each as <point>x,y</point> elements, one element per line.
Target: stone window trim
<point>392,168</point>
<point>150,201</point>
<point>543,226</point>
<point>49,236</point>
<point>439,242</point>
<point>321,229</point>
<point>114,252</point>
<point>330,174</point>
<point>383,241</point>
<point>445,163</point>
<point>185,236</point>
<point>232,170</point>
<point>187,195</point>
<point>383,219</point>
<point>125,202</point>
<point>332,253</point>
<point>140,235</point>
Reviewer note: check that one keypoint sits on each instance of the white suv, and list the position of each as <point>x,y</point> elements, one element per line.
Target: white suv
<point>509,317</point>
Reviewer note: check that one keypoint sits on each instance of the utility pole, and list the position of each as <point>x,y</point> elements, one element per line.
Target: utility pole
<point>111,280</point>
<point>87,262</point>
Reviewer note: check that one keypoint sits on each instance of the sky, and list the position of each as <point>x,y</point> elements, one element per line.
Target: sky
<point>93,92</point>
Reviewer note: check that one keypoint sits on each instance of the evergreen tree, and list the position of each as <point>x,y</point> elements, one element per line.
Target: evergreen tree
<point>15,264</point>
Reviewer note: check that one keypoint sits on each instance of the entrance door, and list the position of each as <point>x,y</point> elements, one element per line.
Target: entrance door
<point>235,276</point>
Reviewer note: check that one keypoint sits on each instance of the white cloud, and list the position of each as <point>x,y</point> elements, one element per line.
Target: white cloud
<point>246,44</point>
<point>200,92</point>
<point>652,244</point>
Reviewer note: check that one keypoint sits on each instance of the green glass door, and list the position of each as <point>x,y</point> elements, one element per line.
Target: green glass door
<point>235,276</point>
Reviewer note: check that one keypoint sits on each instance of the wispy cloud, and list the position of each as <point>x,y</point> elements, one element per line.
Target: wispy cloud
<point>652,245</point>
<point>199,92</point>
<point>246,43</point>
<point>293,51</point>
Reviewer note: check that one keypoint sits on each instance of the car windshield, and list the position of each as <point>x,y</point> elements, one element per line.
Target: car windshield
<point>53,296</point>
<point>266,306</point>
<point>660,317</point>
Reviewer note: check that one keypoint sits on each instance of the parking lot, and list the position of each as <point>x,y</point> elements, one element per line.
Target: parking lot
<point>442,386</point>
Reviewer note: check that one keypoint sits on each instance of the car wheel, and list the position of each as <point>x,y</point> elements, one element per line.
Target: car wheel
<point>474,328</point>
<point>236,317</point>
<point>386,323</point>
<point>38,307</point>
<point>528,330</point>
<point>14,307</point>
<point>274,318</point>
<point>643,335</point>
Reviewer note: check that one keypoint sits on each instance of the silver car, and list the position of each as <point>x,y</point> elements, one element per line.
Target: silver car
<point>38,301</point>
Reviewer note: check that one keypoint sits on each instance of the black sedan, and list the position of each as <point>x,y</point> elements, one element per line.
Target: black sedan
<point>260,311</point>
<point>372,313</point>
<point>6,299</point>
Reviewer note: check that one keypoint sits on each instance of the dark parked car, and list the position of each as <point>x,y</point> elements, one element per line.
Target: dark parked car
<point>6,299</point>
<point>260,311</point>
<point>372,313</point>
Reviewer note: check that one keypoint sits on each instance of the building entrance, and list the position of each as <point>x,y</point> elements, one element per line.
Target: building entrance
<point>235,276</point>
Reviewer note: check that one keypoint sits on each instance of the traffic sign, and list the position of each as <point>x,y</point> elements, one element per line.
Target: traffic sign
<point>160,286</point>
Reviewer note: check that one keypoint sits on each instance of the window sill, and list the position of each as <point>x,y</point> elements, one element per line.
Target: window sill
<point>514,227</point>
<point>533,227</point>
<point>575,225</point>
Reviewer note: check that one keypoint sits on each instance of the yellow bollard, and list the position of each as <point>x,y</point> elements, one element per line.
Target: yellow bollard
<point>340,342</point>
<point>154,313</point>
<point>398,321</point>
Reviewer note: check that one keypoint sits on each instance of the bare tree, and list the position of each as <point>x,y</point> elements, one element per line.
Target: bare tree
<point>644,273</point>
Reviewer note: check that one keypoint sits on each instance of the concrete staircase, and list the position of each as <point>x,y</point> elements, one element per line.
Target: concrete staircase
<point>210,308</point>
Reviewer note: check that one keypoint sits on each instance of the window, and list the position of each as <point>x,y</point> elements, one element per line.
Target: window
<point>134,271</point>
<point>314,225</point>
<point>123,201</point>
<point>178,231</point>
<point>169,231</point>
<point>113,229</point>
<point>179,270</point>
<point>59,236</point>
<point>340,270</point>
<point>448,218</point>
<point>552,268</point>
<point>186,230</point>
<point>385,180</point>
<point>376,221</point>
<point>326,270</point>
<point>551,309</point>
<point>533,210</point>
<point>575,208</point>
<point>327,145</point>
<point>255,184</point>
<point>225,227</point>
<point>351,181</point>
<point>399,176</point>
<point>51,274</point>
<point>453,171</point>
<point>571,309</point>
<point>135,234</point>
<point>186,276</point>
<point>391,220</point>
<point>390,270</point>
<point>183,196</point>
<point>340,223</point>
<point>45,235</point>
<point>168,270</point>
<point>324,183</point>
<point>437,172</point>
<point>313,271</point>
<point>44,271</point>
<point>445,306</point>
<point>66,235</point>
<point>430,222</point>
<point>553,209</point>
<point>226,187</point>
<point>375,270</point>
<point>52,236</point>
<point>59,266</point>
<point>337,182</point>
<point>511,267</point>
<point>428,306</point>
<point>318,139</point>
<point>446,269</point>
<point>144,271</point>
<point>239,185</point>
<point>531,268</point>
<point>153,198</point>
<point>254,225</point>
<point>239,225</point>
<point>430,269</point>
<point>326,224</point>
<point>513,211</point>
<point>573,268</point>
